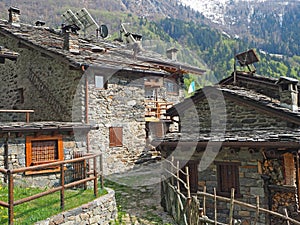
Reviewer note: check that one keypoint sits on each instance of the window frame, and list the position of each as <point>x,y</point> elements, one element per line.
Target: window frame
<point>171,83</point>
<point>60,153</point>
<point>105,82</point>
<point>115,136</point>
<point>234,179</point>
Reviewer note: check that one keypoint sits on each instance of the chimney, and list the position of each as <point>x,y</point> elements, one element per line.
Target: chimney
<point>14,16</point>
<point>288,93</point>
<point>71,41</point>
<point>172,53</point>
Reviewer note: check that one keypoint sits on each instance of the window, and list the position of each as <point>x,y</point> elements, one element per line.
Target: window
<point>171,87</point>
<point>115,137</point>
<point>42,150</point>
<point>228,177</point>
<point>100,82</point>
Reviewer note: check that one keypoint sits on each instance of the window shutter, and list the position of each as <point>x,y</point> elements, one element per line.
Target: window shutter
<point>289,169</point>
<point>228,177</point>
<point>115,136</point>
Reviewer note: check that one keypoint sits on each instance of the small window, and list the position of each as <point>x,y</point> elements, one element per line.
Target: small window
<point>100,82</point>
<point>228,177</point>
<point>42,150</point>
<point>115,137</point>
<point>20,95</point>
<point>171,87</point>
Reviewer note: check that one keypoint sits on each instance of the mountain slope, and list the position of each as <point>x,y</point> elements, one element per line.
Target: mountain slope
<point>272,25</point>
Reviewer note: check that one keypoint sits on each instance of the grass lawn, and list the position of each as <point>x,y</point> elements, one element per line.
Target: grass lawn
<point>44,207</point>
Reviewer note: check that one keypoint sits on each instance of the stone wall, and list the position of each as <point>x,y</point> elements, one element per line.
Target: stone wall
<point>120,105</point>
<point>237,117</point>
<point>17,159</point>
<point>251,183</point>
<point>37,81</point>
<point>98,212</point>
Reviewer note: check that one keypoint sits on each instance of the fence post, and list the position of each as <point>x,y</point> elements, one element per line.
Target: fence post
<point>215,205</point>
<point>101,170</point>
<point>204,201</point>
<point>10,197</point>
<point>231,207</point>
<point>62,184</point>
<point>286,214</point>
<point>172,170</point>
<point>257,210</point>
<point>95,178</point>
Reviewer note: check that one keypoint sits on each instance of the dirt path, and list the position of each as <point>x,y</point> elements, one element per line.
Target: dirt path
<point>138,197</point>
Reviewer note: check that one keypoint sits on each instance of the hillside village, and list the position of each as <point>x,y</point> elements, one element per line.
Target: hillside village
<point>67,96</point>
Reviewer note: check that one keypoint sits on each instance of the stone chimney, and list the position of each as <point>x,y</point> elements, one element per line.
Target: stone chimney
<point>14,16</point>
<point>288,92</point>
<point>71,38</point>
<point>172,53</point>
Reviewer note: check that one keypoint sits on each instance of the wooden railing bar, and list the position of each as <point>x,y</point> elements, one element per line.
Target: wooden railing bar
<point>26,111</point>
<point>42,194</point>
<point>251,207</point>
<point>4,204</point>
<point>24,169</point>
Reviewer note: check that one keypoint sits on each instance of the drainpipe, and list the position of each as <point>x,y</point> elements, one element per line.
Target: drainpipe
<point>6,155</point>
<point>84,67</point>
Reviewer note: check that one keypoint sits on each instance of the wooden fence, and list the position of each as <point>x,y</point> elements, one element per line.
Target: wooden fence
<point>256,208</point>
<point>184,208</point>
<point>92,175</point>
<point>177,199</point>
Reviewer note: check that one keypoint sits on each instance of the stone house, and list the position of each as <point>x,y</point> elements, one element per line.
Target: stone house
<point>244,134</point>
<point>104,87</point>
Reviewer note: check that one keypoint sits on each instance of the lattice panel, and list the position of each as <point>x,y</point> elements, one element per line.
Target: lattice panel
<point>44,151</point>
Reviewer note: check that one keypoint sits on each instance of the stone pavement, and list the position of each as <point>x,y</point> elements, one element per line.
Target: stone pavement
<point>138,196</point>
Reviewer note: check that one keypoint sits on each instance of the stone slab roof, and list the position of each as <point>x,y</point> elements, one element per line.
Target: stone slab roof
<point>242,135</point>
<point>43,126</point>
<point>244,96</point>
<point>93,52</point>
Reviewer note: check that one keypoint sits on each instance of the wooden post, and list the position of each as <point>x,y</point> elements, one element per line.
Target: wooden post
<point>95,178</point>
<point>177,174</point>
<point>257,210</point>
<point>215,205</point>
<point>172,170</point>
<point>101,170</point>
<point>10,198</point>
<point>84,173</point>
<point>286,214</point>
<point>204,201</point>
<point>188,183</point>
<point>62,184</point>
<point>231,207</point>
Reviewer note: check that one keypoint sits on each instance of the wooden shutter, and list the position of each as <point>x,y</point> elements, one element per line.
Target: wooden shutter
<point>115,136</point>
<point>289,169</point>
<point>228,177</point>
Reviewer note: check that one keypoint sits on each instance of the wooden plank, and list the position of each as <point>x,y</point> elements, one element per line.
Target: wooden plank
<point>231,207</point>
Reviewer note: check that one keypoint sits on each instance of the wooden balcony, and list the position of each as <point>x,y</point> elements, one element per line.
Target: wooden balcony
<point>156,109</point>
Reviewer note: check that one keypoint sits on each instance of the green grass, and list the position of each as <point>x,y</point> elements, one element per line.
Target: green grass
<point>44,207</point>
